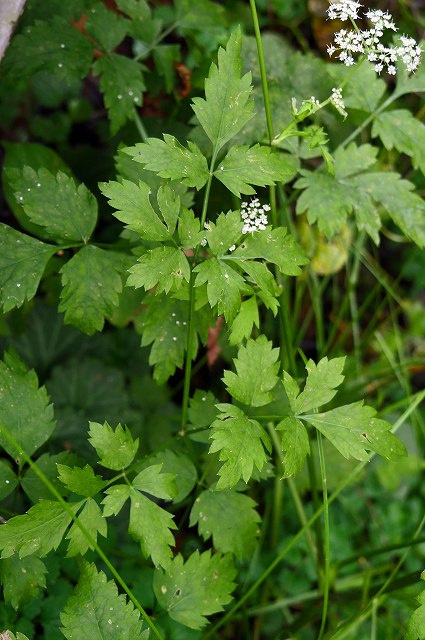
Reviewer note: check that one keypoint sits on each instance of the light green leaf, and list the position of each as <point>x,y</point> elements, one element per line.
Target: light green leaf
<point>116,449</point>
<point>169,205</point>
<point>353,159</point>
<point>115,499</point>
<point>321,383</point>
<point>264,279</point>
<point>24,408</point>
<point>22,579</point>
<point>224,286</point>
<point>91,283</point>
<point>354,431</point>
<point>8,479</point>
<point>46,463</point>
<point>244,166</point>
<point>151,525</point>
<point>416,625</point>
<point>37,532</point>
<point>291,389</point>
<point>55,47</point>
<point>401,130</point>
<point>295,444</point>
<point>22,263</point>
<point>151,480</point>
<point>134,208</point>
<point>169,159</point>
<point>96,607</point>
<point>92,519</point>
<point>225,232</point>
<point>240,441</point>
<point>230,518</point>
<point>199,587</point>
<point>225,109</point>
<point>364,89</point>
<point>190,234</point>
<point>180,467</point>
<point>244,322</point>
<point>256,373</point>
<point>122,85</point>
<point>55,202</point>
<point>79,480</point>
<point>105,27</point>
<point>275,246</point>
<point>164,267</point>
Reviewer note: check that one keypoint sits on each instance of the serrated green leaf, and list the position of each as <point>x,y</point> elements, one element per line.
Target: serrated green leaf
<point>190,234</point>
<point>179,466</point>
<point>321,383</point>
<point>46,463</point>
<point>264,279</point>
<point>81,481</point>
<point>25,409</point>
<point>55,202</point>
<point>354,430</point>
<point>55,47</point>
<point>22,579</point>
<point>401,130</point>
<point>152,526</point>
<point>8,479</point>
<point>122,85</point>
<point>170,159</point>
<point>199,587</point>
<point>353,159</point>
<point>92,519</point>
<point>244,322</point>
<point>416,625</point>
<point>246,385</point>
<point>169,205</point>
<point>230,518</point>
<point>244,166</point>
<point>36,532</point>
<point>225,232</point>
<point>96,607</point>
<point>164,267</point>
<point>22,263</point>
<point>106,27</point>
<point>240,441</point>
<point>275,246</point>
<point>225,109</point>
<point>295,444</point>
<point>116,449</point>
<point>224,286</point>
<point>198,15</point>
<point>134,208</point>
<point>115,499</point>
<point>159,484</point>
<point>91,283</point>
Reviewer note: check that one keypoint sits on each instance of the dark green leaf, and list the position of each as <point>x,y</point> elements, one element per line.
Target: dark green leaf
<point>91,284</point>
<point>8,479</point>
<point>169,159</point>
<point>22,579</point>
<point>79,480</point>
<point>165,57</point>
<point>96,607</point>
<point>34,487</point>
<point>93,521</point>
<point>230,518</point>
<point>116,449</point>
<point>22,263</point>
<point>106,27</point>
<point>199,587</point>
<point>224,233</point>
<point>401,130</point>
<point>164,268</point>
<point>224,286</point>
<point>190,234</point>
<point>268,289</point>
<point>295,444</point>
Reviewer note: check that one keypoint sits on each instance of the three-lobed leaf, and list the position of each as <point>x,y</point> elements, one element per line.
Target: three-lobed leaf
<point>116,448</point>
<point>275,246</point>
<point>91,518</point>
<point>81,481</point>
<point>164,267</point>
<point>295,444</point>
<point>224,286</point>
<point>321,383</point>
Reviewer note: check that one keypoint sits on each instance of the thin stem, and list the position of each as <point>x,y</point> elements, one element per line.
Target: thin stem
<point>326,546</point>
<point>92,542</point>
<point>352,296</point>
<point>261,61</point>
<point>140,126</point>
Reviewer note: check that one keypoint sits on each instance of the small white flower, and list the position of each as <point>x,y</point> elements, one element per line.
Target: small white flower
<point>254,216</point>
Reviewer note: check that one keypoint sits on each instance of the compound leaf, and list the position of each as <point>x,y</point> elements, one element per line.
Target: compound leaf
<point>169,159</point>
<point>81,481</point>
<point>92,519</point>
<point>96,607</point>
<point>22,263</point>
<point>164,267</point>
<point>194,589</point>
<point>321,383</point>
<point>230,518</point>
<point>244,166</point>
<point>91,283</point>
<point>295,444</point>
<point>116,449</point>
<point>246,385</point>
<point>225,109</point>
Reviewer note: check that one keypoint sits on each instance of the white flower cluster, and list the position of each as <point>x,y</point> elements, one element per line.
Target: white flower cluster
<point>367,41</point>
<point>254,216</point>
<point>337,100</point>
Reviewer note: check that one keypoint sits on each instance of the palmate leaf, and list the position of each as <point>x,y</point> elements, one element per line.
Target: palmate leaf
<point>295,444</point>
<point>96,607</point>
<point>122,85</point>
<point>116,449</point>
<point>92,519</point>
<point>230,518</point>
<point>164,267</point>
<point>199,587</point>
<point>22,263</point>
<point>134,209</point>
<point>25,409</point>
<point>256,373</point>
<point>275,246</point>
<point>240,441</point>
<point>225,109</point>
<point>224,286</point>
<point>244,166</point>
<point>401,130</point>
<point>91,283</point>
<point>22,579</point>
<point>169,159</point>
<point>354,431</point>
<point>55,202</point>
<point>321,384</point>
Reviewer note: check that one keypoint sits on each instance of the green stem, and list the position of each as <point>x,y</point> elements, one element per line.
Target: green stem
<point>140,126</point>
<point>264,84</point>
<point>352,296</point>
<point>92,542</point>
<point>326,546</point>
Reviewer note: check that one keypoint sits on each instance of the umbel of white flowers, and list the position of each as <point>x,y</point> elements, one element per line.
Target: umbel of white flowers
<point>368,41</point>
<point>254,216</point>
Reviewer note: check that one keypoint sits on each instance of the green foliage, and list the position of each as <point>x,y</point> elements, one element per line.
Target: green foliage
<point>416,625</point>
<point>116,449</point>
